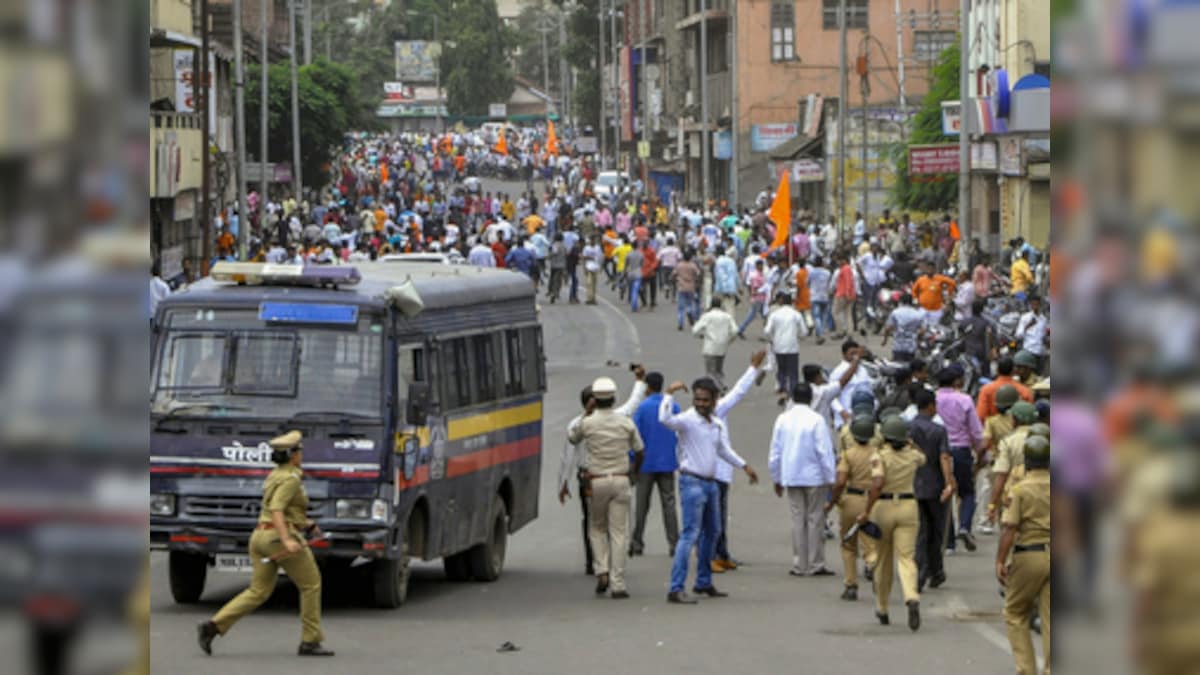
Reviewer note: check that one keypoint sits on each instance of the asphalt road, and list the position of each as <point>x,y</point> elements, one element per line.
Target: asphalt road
<point>544,604</point>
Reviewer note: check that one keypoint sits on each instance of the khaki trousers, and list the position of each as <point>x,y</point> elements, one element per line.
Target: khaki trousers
<point>609,528</point>
<point>808,527</point>
<point>1028,582</point>
<point>300,568</point>
<point>899,521</point>
<point>848,510</point>
<point>590,281</point>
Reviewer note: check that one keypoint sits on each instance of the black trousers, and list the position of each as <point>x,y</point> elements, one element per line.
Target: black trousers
<point>584,496</point>
<point>649,292</point>
<point>930,537</point>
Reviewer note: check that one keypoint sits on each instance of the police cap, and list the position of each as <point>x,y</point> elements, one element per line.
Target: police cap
<point>1025,359</point>
<point>1023,412</point>
<point>1037,450</point>
<point>1006,396</point>
<point>289,441</point>
<point>895,429</point>
<point>862,428</point>
<point>604,388</point>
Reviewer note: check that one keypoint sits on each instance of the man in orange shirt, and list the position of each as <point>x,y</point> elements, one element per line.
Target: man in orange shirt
<point>932,291</point>
<point>803,303</point>
<point>985,405</point>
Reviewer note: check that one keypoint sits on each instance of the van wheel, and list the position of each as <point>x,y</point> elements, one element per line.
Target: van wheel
<point>187,572</point>
<point>487,559</point>
<point>457,566</point>
<point>391,576</point>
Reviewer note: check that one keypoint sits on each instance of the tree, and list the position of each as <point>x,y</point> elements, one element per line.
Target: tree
<point>923,194</point>
<point>475,71</point>
<point>582,28</point>
<point>529,44</point>
<point>328,109</point>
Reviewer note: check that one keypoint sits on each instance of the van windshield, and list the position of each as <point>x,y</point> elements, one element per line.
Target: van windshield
<point>228,363</point>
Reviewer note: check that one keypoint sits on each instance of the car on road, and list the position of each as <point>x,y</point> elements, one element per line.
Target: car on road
<point>608,183</point>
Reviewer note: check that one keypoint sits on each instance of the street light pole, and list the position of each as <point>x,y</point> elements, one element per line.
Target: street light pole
<point>239,108</point>
<point>843,101</point>
<point>964,136</point>
<point>297,182</point>
<point>704,148</point>
<point>264,93</point>
<point>600,85</point>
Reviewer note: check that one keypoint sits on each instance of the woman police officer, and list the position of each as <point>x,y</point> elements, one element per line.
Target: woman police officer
<point>850,496</point>
<point>277,541</point>
<point>892,507</point>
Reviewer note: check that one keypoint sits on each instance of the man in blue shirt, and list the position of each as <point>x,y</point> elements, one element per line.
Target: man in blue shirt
<point>521,259</point>
<point>658,467</point>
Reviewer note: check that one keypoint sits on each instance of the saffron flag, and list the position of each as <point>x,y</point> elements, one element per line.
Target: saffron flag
<point>502,145</point>
<point>552,140</point>
<point>781,212</point>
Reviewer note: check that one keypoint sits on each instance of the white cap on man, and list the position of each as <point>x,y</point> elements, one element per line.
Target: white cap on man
<point>604,388</point>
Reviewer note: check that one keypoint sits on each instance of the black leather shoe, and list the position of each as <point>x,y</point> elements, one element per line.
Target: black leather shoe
<point>313,649</point>
<point>589,571</point>
<point>851,593</point>
<point>601,584</point>
<point>914,614</point>
<point>822,572</point>
<point>205,633</point>
<point>883,619</point>
<point>711,592</point>
<point>937,580</point>
<point>678,598</point>
<point>620,595</point>
<point>968,541</point>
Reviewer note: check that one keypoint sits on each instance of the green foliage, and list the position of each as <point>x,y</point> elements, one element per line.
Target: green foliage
<point>942,192</point>
<point>475,71</point>
<point>328,108</point>
<point>583,27</point>
<point>529,44</point>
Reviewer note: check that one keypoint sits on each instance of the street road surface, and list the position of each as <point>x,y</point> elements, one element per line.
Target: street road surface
<point>544,603</point>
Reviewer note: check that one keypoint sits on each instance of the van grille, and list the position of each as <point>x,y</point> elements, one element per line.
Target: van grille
<point>233,507</point>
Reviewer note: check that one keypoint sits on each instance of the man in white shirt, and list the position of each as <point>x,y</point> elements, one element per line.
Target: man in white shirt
<point>841,405</point>
<point>1032,329</point>
<point>802,462</point>
<point>826,392</point>
<point>481,255</point>
<point>593,262</point>
<point>703,438</point>
<point>873,267</point>
<point>718,329</point>
<point>784,326</point>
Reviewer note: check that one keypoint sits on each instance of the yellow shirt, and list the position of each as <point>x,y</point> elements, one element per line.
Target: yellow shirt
<point>1022,276</point>
<point>619,253</point>
<point>1029,511</point>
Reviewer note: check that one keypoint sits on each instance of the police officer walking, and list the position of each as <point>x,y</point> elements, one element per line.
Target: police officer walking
<point>1027,534</point>
<point>850,496</point>
<point>608,438</point>
<point>893,507</point>
<point>277,542</point>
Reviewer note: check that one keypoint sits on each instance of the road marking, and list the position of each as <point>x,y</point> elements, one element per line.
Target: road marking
<point>956,605</point>
<point>610,338</point>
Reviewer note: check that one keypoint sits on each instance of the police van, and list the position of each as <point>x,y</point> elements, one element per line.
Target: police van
<point>418,389</point>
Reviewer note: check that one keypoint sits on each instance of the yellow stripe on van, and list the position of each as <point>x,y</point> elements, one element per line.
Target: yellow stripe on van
<point>474,425</point>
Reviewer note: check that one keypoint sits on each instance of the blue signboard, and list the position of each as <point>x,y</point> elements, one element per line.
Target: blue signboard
<point>292,312</point>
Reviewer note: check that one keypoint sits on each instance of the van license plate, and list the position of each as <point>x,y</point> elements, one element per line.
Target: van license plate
<point>234,563</point>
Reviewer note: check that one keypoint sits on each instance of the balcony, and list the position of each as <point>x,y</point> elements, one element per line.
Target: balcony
<point>716,11</point>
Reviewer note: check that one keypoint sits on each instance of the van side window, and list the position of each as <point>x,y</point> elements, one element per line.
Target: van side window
<point>456,366</point>
<point>410,364</point>
<point>515,363</point>
<point>484,353</point>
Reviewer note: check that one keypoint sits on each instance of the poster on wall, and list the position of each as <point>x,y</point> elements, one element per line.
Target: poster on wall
<point>1010,157</point>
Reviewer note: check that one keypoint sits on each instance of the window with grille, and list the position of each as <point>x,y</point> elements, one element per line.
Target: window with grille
<point>856,14</point>
<point>929,44</point>
<point>783,31</point>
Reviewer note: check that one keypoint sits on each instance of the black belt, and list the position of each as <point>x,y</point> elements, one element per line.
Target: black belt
<point>1028,548</point>
<point>856,491</point>
<point>897,495</point>
<point>695,475</point>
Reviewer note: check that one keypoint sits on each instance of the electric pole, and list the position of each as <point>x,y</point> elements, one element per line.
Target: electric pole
<point>297,182</point>
<point>263,131</point>
<point>308,19</point>
<point>600,73</point>
<point>204,91</point>
<point>239,108</point>
<point>964,136</point>
<point>705,151</point>
<point>843,100</point>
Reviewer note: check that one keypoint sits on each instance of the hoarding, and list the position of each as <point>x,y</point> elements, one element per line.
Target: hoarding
<point>767,137</point>
<point>416,60</point>
<point>931,159</point>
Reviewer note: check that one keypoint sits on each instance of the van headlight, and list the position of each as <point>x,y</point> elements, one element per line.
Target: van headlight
<point>162,505</point>
<point>362,509</point>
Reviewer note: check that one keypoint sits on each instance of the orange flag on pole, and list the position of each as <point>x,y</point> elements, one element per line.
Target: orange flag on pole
<point>552,140</point>
<point>502,145</point>
<point>781,212</point>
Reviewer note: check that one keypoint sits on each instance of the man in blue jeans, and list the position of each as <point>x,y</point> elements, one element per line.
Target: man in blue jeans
<point>702,438</point>
<point>965,435</point>
<point>687,283</point>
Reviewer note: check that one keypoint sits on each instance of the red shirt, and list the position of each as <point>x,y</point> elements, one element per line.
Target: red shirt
<point>499,251</point>
<point>649,262</point>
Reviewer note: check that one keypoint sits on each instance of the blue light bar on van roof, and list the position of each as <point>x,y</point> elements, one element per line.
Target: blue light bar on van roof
<point>291,275</point>
<point>296,312</point>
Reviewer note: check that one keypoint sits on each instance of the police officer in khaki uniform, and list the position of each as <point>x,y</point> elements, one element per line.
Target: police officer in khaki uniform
<point>893,507</point>
<point>1027,534</point>
<point>850,496</point>
<point>1010,454</point>
<point>608,438</point>
<point>277,541</point>
<point>995,429</point>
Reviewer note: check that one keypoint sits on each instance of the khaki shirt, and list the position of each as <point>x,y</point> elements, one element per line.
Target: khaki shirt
<point>284,491</point>
<point>1011,451</point>
<point>855,462</point>
<point>1030,509</point>
<point>897,468</point>
<point>845,439</point>
<point>608,438</point>
<point>996,428</point>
